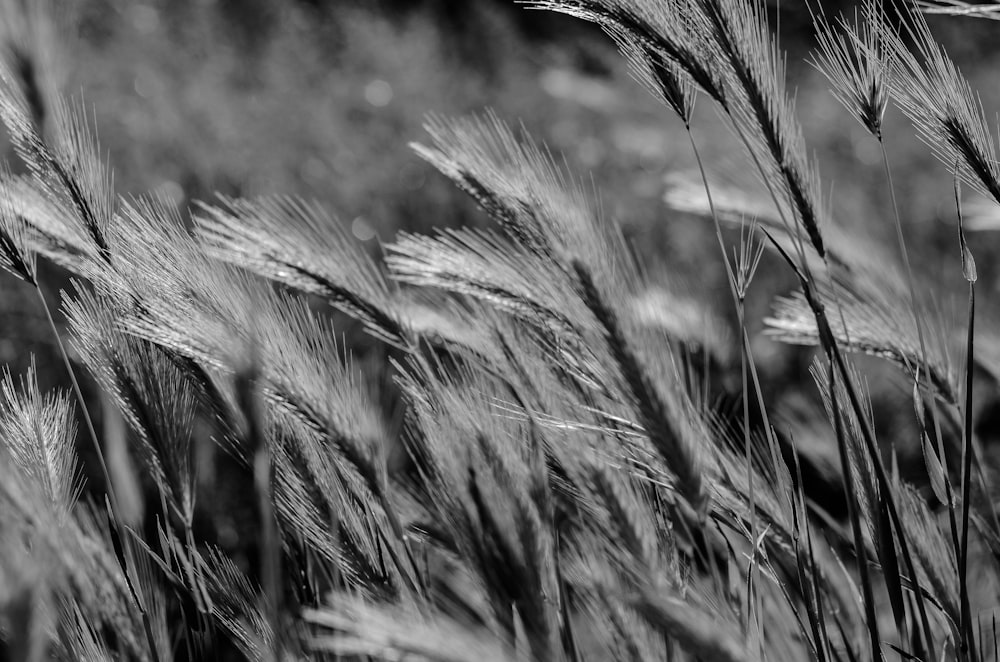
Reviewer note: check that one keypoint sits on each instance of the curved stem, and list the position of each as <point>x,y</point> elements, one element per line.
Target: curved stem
<point>119,541</point>
<point>78,392</point>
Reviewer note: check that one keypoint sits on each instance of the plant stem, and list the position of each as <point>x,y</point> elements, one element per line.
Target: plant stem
<point>737,302</point>
<point>832,349</point>
<point>852,514</point>
<point>120,542</point>
<point>904,253</point>
<point>963,561</point>
<point>247,387</point>
<point>78,392</point>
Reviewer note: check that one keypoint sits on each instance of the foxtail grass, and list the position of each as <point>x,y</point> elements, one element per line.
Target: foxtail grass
<point>569,488</point>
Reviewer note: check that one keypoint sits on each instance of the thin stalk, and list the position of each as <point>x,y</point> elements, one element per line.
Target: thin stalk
<point>122,549</point>
<point>805,277</point>
<point>748,366</point>
<point>768,430</point>
<point>968,448</point>
<point>800,520</point>
<point>963,561</point>
<point>752,571</point>
<point>818,595</point>
<point>904,253</point>
<point>832,349</point>
<point>855,519</point>
<point>948,488</point>
<point>914,302</point>
<point>738,303</point>
<point>969,271</point>
<point>831,346</point>
<point>271,566</point>
<point>730,276</point>
<point>746,354</point>
<point>884,486</point>
<point>916,309</point>
<point>78,392</point>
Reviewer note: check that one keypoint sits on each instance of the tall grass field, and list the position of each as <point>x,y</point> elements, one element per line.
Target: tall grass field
<point>537,451</point>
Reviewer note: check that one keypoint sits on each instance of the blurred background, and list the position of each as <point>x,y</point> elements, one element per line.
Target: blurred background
<point>322,98</point>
